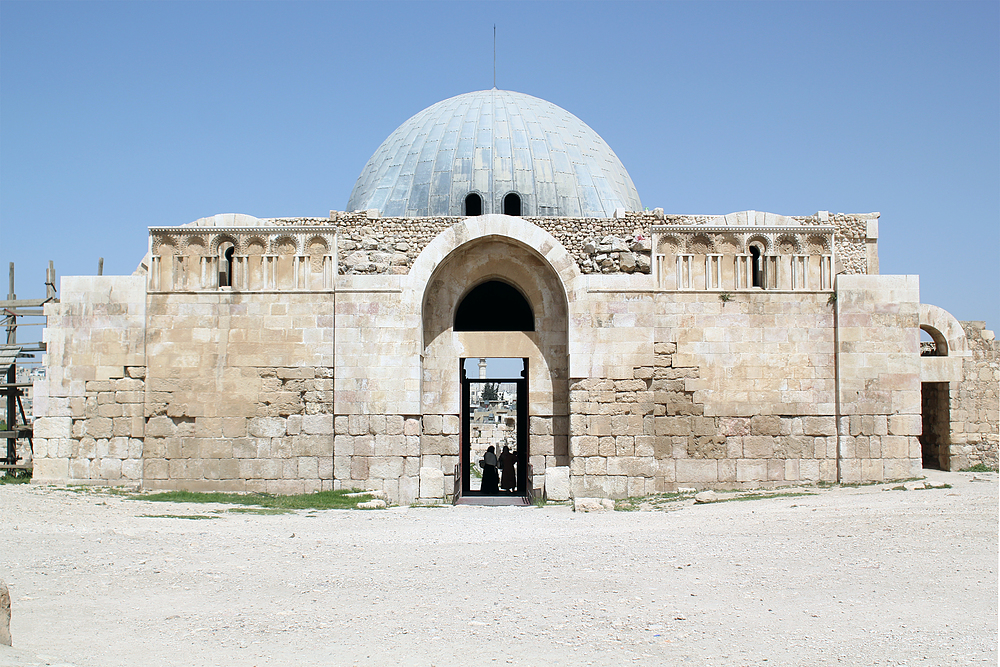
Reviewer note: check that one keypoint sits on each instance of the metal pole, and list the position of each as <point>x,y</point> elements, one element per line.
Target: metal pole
<point>11,392</point>
<point>100,266</point>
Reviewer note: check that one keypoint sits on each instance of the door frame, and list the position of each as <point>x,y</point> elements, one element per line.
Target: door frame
<point>523,444</point>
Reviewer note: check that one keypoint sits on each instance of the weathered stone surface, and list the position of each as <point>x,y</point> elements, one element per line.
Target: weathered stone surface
<point>267,427</point>
<point>557,486</point>
<point>593,505</point>
<point>431,483</point>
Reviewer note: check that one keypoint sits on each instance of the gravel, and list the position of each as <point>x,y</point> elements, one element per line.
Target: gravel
<point>849,576</point>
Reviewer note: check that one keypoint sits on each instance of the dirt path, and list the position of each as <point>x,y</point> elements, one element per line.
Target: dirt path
<point>867,576</point>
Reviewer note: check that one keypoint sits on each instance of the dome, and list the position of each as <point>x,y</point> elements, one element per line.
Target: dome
<point>513,153</point>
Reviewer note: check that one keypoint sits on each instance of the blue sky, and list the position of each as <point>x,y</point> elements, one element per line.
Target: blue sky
<point>118,116</point>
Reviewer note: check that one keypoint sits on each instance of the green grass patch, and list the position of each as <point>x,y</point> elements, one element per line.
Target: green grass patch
<point>321,500</point>
<point>652,502</point>
<point>979,467</point>
<point>15,476</point>
<point>259,510</point>
<point>192,517</point>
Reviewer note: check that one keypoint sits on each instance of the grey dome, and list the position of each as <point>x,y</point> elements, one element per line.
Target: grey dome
<point>492,143</point>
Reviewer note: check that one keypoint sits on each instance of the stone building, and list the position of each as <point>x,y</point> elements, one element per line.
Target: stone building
<point>716,351</point>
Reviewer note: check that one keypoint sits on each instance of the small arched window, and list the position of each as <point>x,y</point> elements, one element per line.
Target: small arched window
<point>756,269</point>
<point>512,204</point>
<point>226,251</point>
<point>473,204</point>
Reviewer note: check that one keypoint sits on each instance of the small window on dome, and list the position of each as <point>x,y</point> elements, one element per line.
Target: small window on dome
<point>473,204</point>
<point>512,204</point>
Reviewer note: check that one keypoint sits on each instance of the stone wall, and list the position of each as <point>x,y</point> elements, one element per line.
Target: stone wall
<point>878,362</point>
<point>239,392</point>
<point>89,408</point>
<point>370,244</point>
<point>675,422</point>
<point>975,402</point>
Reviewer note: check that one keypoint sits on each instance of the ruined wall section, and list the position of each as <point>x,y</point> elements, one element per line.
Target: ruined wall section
<point>371,244</point>
<point>90,405</point>
<point>719,394</point>
<point>975,402</point>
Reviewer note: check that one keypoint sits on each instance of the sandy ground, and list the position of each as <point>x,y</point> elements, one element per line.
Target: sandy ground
<point>849,576</point>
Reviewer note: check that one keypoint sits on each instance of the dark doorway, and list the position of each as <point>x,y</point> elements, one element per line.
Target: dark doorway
<point>473,204</point>
<point>935,409</point>
<point>512,204</point>
<point>494,306</point>
<point>494,414</point>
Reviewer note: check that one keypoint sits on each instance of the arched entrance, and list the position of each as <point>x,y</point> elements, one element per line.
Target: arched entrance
<point>495,296</point>
<point>941,354</point>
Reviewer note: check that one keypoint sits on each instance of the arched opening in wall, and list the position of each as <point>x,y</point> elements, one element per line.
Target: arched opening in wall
<point>932,343</point>
<point>512,204</point>
<point>473,204</point>
<point>226,252</point>
<point>935,405</point>
<point>756,268</point>
<point>494,306</point>
<point>529,284</point>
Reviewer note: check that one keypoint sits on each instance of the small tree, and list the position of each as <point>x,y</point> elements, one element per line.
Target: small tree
<point>490,392</point>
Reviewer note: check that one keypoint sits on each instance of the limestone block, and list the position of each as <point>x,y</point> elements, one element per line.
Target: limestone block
<point>340,425</point>
<point>557,486</point>
<point>775,470</point>
<point>697,470</point>
<point>583,445</point>
<point>675,425</point>
<point>82,469</point>
<point>53,427</point>
<point>734,426</point>
<point>450,425</point>
<point>341,467</point>
<point>905,425</point>
<point>111,469</point>
<point>606,446</point>
<point>267,427</point>
<point>596,465</point>
<point>593,505</point>
<point>809,470</point>
<point>765,425</point>
<point>317,424</point>
<point>757,446</point>
<point>293,424</point>
<point>409,489</point>
<point>727,470</point>
<point>895,447</point>
<point>364,446</point>
<point>431,483</point>
<point>751,470</point>
<point>819,426</point>
<point>432,424</point>
<point>850,470</point>
<point>357,424</point>
<point>395,426</point>
<point>155,469</point>
<point>645,445</point>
